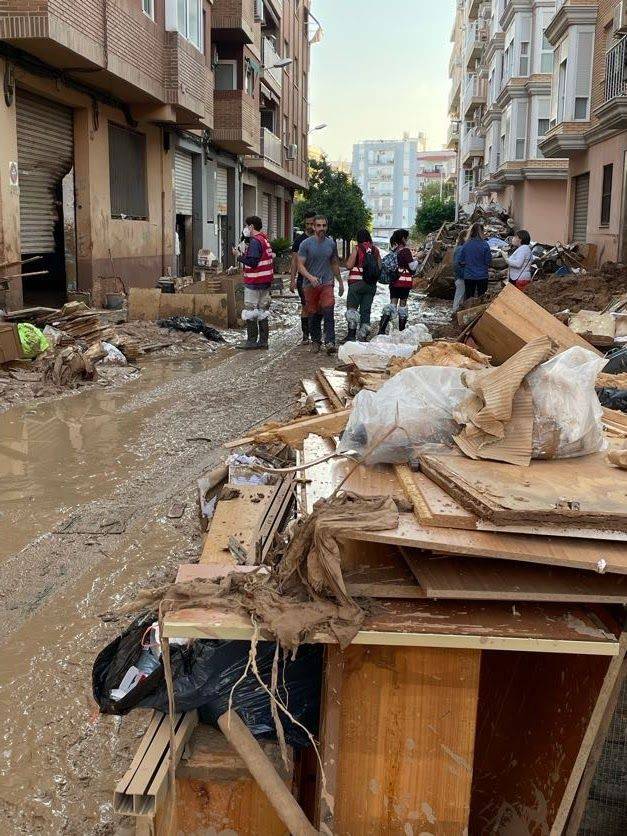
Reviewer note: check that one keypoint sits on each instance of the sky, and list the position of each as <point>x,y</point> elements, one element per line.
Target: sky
<point>380,69</point>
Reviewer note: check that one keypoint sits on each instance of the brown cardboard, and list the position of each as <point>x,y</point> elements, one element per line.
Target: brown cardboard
<point>212,308</point>
<point>143,304</point>
<point>10,346</point>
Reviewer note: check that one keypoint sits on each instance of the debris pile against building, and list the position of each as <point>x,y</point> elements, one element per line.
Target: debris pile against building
<point>429,560</point>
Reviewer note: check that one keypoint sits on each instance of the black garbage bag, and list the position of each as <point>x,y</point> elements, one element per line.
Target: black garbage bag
<point>613,398</point>
<point>204,674</point>
<point>616,361</point>
<point>193,324</point>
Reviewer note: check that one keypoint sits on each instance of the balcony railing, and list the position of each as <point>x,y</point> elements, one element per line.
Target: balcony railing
<point>474,93</point>
<point>271,147</point>
<point>452,136</point>
<point>271,74</point>
<point>464,193</point>
<point>473,145</point>
<point>616,71</point>
<point>476,39</point>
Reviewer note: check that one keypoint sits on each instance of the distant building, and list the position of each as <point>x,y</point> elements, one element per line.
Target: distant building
<point>435,167</point>
<point>387,172</point>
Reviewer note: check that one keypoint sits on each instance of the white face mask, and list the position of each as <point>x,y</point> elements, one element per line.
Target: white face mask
<point>246,232</point>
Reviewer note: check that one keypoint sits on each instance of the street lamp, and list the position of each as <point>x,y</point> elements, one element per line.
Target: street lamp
<point>280,64</point>
<point>318,127</point>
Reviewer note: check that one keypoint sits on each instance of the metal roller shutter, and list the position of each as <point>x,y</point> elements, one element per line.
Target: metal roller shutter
<point>45,153</point>
<point>222,190</point>
<point>265,210</point>
<point>183,182</point>
<point>580,216</point>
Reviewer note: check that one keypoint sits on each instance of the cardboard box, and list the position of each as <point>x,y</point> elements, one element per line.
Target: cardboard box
<point>10,346</point>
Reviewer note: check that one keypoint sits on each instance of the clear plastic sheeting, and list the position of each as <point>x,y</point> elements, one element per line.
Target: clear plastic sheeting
<point>416,335</point>
<point>567,412</point>
<point>420,401</point>
<point>373,356</point>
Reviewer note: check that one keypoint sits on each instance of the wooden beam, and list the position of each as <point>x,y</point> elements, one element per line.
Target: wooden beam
<point>296,432</point>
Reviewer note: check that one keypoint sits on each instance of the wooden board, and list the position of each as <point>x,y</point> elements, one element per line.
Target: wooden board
<point>295,432</point>
<point>584,491</point>
<point>469,579</point>
<point>532,627</point>
<point>175,304</point>
<point>212,308</point>
<point>143,304</point>
<point>533,712</point>
<point>241,518</point>
<point>405,729</point>
<point>513,320</point>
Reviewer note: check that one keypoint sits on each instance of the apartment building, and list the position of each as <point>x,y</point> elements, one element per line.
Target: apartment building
<point>134,133</point>
<point>588,120</point>
<point>435,167</point>
<point>387,172</point>
<point>504,111</point>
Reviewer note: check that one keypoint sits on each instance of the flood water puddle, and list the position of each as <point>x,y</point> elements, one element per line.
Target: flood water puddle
<point>60,453</point>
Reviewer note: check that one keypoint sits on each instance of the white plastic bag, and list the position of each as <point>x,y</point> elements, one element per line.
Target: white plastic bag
<point>53,335</point>
<point>567,413</point>
<point>415,335</point>
<point>114,356</point>
<point>242,472</point>
<point>372,356</point>
<point>420,400</point>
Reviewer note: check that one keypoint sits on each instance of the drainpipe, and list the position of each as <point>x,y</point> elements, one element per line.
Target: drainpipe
<point>163,153</point>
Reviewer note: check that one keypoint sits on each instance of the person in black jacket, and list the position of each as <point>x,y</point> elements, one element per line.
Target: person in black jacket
<point>476,259</point>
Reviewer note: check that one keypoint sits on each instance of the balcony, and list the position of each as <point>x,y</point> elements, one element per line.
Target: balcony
<point>564,140</point>
<point>473,145</point>
<point>464,193</point>
<point>452,136</point>
<point>233,21</point>
<point>472,7</point>
<point>237,120</point>
<point>454,93</point>
<point>475,43</point>
<point>271,76</point>
<point>454,62</point>
<point>271,162</point>
<point>613,112</point>
<point>188,81</point>
<point>474,95</point>
<point>515,171</point>
<point>276,6</point>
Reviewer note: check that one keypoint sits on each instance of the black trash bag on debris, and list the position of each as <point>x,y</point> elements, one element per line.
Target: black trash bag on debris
<point>616,362</point>
<point>193,324</point>
<point>204,674</point>
<point>613,398</point>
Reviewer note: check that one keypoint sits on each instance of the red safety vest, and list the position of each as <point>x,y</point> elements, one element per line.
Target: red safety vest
<point>357,272</point>
<point>263,273</point>
<point>405,278</point>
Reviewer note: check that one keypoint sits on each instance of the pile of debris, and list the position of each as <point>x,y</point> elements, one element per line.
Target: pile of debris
<point>574,293</point>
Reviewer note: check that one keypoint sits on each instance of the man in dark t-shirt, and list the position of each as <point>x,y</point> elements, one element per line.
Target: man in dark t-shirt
<point>296,280</point>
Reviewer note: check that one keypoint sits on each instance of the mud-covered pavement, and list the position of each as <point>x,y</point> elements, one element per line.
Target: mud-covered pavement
<point>125,453</point>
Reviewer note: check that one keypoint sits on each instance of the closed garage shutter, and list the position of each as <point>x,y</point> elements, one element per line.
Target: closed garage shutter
<point>265,211</point>
<point>45,153</point>
<point>580,216</point>
<point>222,190</point>
<point>183,182</point>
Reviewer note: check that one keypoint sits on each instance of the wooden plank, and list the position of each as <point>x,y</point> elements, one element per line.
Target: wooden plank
<point>143,304</point>
<point>313,390</point>
<point>437,507</point>
<point>405,740</point>
<point>584,491</point>
<point>549,628</point>
<point>335,401</point>
<point>156,719</point>
<point>533,712</point>
<point>238,518</point>
<point>333,674</point>
<point>388,580</point>
<point>276,514</point>
<point>295,432</point>
<point>338,382</point>
<point>513,319</point>
<point>473,579</point>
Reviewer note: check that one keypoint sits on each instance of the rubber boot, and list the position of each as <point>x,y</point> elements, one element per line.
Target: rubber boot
<point>351,335</point>
<point>264,333</point>
<point>304,324</point>
<point>402,323</point>
<point>383,325</point>
<point>252,332</point>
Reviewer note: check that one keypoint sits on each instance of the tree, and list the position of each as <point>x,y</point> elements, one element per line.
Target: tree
<point>434,211</point>
<point>334,194</point>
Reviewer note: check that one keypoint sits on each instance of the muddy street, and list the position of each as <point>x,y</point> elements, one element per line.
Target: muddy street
<point>124,455</point>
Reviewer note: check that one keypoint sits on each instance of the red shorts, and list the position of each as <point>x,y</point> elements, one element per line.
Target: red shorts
<point>318,298</point>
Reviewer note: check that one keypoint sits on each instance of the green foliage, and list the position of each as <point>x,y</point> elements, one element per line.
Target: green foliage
<point>434,212</point>
<point>281,245</point>
<point>336,195</point>
<point>433,190</point>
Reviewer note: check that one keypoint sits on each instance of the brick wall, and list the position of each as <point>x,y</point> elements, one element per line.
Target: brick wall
<point>136,39</point>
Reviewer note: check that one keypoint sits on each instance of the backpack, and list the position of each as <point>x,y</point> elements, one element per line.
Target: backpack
<point>370,268</point>
<point>389,268</point>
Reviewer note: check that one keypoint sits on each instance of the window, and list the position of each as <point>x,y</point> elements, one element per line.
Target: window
<point>148,7</point>
<point>520,149</point>
<point>249,80</point>
<point>606,195</point>
<point>226,75</point>
<point>561,91</point>
<point>546,57</point>
<point>188,20</point>
<point>127,173</point>
<point>581,107</point>
<point>543,126</point>
<point>524,58</point>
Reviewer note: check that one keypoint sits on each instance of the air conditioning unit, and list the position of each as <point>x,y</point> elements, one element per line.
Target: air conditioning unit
<point>291,152</point>
<point>260,12</point>
<point>620,18</point>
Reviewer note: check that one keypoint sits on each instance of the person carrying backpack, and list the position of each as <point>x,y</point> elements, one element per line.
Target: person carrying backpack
<point>400,283</point>
<point>364,266</point>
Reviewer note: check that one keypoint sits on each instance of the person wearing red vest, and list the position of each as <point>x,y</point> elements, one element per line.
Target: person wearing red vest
<point>258,262</point>
<point>400,287</point>
<point>360,292</point>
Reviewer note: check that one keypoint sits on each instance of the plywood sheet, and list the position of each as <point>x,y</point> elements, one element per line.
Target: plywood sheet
<point>468,579</point>
<point>143,304</point>
<point>583,491</point>
<point>405,740</point>
<point>212,308</point>
<point>513,320</point>
<point>240,518</point>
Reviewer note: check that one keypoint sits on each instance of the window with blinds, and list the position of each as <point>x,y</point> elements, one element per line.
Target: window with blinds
<point>606,195</point>
<point>127,173</point>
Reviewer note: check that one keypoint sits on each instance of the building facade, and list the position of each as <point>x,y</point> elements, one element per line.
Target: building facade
<point>588,120</point>
<point>503,110</point>
<point>435,168</point>
<point>387,172</point>
<point>135,133</point>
